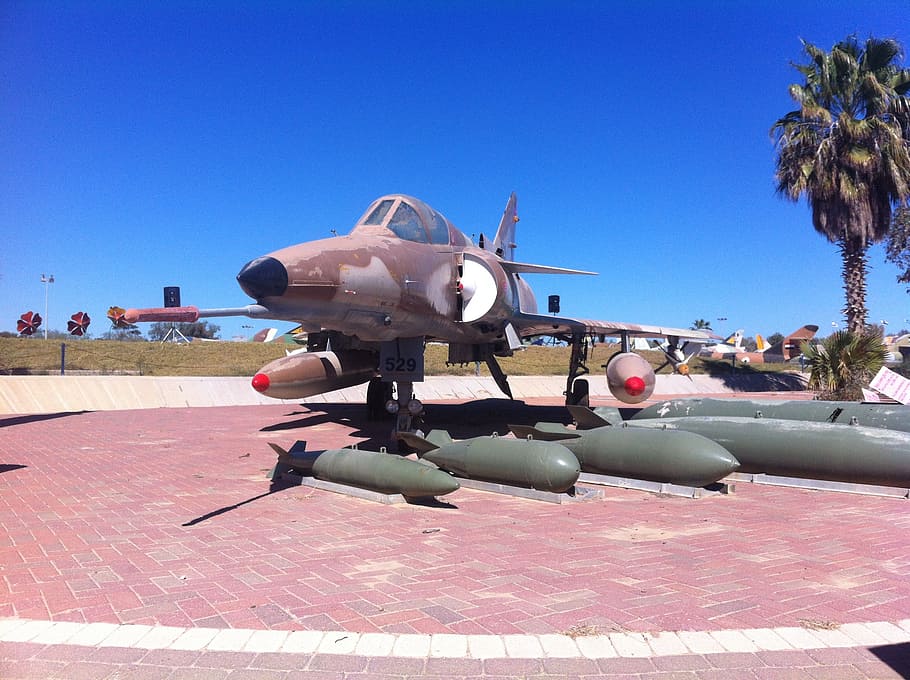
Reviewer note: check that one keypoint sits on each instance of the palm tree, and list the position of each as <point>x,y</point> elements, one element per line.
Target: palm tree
<point>843,363</point>
<point>898,245</point>
<point>847,149</point>
<point>701,325</point>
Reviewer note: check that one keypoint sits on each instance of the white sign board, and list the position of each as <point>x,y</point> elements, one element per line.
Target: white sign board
<point>871,396</point>
<point>892,385</point>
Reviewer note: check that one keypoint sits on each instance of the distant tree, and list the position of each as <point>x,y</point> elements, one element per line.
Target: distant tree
<point>877,329</point>
<point>846,150</point>
<point>749,344</point>
<point>126,334</point>
<point>898,243</point>
<point>701,325</point>
<point>196,329</point>
<point>843,363</point>
<point>774,338</point>
<point>158,331</point>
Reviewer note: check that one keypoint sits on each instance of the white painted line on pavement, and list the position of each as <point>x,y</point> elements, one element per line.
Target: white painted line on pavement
<point>450,646</point>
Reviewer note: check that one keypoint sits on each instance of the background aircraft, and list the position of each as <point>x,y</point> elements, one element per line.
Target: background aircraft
<point>404,276</point>
<point>732,344</point>
<point>294,338</point>
<point>780,352</point>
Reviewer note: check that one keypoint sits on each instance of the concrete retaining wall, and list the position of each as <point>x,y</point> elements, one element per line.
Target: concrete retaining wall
<point>57,394</point>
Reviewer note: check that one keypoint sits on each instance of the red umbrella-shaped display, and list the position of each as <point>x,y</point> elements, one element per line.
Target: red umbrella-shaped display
<point>115,315</point>
<point>28,323</point>
<point>78,323</point>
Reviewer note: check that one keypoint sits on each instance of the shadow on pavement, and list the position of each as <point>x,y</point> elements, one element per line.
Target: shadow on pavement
<point>274,487</point>
<point>462,420</point>
<point>896,656</point>
<point>745,378</point>
<point>38,417</point>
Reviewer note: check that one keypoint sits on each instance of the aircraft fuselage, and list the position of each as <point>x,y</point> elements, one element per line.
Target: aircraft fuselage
<point>378,286</point>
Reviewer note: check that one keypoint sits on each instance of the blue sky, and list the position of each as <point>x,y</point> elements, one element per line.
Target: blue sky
<point>153,144</point>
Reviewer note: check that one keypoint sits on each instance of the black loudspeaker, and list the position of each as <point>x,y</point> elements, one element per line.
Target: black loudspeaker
<point>172,296</point>
<point>553,301</point>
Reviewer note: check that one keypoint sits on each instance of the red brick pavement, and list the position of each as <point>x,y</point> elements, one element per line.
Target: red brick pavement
<point>164,517</point>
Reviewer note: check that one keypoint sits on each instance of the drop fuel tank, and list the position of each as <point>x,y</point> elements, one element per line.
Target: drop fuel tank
<point>797,448</point>
<point>885,416</point>
<point>304,374</point>
<point>545,466</point>
<point>667,456</point>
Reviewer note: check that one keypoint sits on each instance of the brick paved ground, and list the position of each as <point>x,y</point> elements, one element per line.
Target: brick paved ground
<point>163,518</point>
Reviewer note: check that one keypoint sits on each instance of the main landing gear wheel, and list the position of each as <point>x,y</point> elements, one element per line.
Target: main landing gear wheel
<point>378,394</point>
<point>580,393</point>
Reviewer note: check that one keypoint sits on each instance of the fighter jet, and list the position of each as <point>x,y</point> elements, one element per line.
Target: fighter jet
<point>786,349</point>
<point>405,276</point>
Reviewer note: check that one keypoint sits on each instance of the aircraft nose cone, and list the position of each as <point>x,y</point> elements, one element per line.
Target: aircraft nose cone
<point>263,277</point>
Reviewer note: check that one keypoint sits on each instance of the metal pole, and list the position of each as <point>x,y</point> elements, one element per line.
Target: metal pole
<point>46,288</point>
<point>46,280</point>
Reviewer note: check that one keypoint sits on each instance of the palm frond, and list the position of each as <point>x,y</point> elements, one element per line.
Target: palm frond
<point>843,363</point>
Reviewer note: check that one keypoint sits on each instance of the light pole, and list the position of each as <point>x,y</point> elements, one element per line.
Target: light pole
<point>47,281</point>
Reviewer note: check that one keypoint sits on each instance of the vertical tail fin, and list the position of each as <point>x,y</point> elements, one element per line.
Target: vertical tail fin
<point>422,445</point>
<point>504,241</point>
<point>587,419</point>
<point>299,448</point>
<point>297,458</point>
<point>789,347</point>
<point>735,339</point>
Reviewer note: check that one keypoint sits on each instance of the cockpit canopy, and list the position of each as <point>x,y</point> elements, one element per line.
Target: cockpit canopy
<point>410,219</point>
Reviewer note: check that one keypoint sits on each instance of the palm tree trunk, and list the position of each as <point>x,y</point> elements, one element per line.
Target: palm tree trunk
<point>853,253</point>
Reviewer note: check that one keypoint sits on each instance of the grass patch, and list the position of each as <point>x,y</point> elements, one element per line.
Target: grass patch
<point>20,355</point>
<point>582,630</point>
<point>818,624</point>
<point>35,355</point>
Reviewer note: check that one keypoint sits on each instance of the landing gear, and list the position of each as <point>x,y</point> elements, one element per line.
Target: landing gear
<point>579,395</point>
<point>408,413</point>
<point>577,389</point>
<point>379,393</point>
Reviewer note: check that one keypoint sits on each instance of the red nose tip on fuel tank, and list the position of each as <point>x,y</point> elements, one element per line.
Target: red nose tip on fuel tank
<point>261,382</point>
<point>630,377</point>
<point>307,373</point>
<point>634,385</point>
